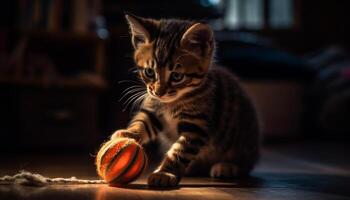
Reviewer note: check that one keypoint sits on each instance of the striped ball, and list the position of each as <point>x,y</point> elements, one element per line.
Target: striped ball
<point>120,161</point>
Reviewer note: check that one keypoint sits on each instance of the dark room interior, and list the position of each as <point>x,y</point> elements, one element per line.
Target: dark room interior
<point>66,66</point>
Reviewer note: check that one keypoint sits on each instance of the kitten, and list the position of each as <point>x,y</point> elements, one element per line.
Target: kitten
<point>198,109</point>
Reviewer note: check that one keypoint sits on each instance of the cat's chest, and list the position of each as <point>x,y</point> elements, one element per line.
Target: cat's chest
<point>170,123</point>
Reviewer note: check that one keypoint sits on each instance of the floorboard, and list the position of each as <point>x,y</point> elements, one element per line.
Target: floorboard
<point>296,171</point>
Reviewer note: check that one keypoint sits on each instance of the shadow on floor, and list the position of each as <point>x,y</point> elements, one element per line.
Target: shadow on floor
<point>322,183</point>
<point>206,183</point>
<point>267,183</point>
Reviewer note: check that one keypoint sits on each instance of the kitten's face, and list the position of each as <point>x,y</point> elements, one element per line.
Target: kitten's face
<point>169,81</point>
<point>172,56</point>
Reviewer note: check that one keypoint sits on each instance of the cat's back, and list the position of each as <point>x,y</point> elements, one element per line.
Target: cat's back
<point>233,111</point>
<point>227,84</point>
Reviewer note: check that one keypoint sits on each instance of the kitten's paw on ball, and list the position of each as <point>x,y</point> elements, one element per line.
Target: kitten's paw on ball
<point>125,134</point>
<point>224,170</point>
<point>162,179</point>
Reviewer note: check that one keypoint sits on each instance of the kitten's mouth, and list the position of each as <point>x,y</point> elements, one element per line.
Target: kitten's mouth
<point>166,98</point>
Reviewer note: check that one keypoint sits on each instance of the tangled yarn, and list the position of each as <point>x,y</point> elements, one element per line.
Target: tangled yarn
<point>38,180</point>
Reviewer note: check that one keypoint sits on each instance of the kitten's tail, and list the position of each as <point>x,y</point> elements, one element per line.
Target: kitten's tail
<point>38,180</point>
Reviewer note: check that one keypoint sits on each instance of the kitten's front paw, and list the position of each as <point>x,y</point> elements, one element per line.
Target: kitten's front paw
<point>163,179</point>
<point>125,134</point>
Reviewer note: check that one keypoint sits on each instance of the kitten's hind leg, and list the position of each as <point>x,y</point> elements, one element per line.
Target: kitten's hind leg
<point>198,168</point>
<point>239,168</point>
<point>224,170</point>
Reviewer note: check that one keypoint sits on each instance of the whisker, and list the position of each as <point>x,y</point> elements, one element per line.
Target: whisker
<point>140,99</point>
<point>132,68</point>
<point>135,71</point>
<point>138,102</point>
<point>132,96</point>
<point>131,92</point>
<point>136,90</point>
<point>128,81</point>
<point>133,87</point>
<point>131,100</point>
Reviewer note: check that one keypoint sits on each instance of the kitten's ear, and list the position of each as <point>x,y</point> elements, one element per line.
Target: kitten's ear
<point>199,39</point>
<point>138,27</point>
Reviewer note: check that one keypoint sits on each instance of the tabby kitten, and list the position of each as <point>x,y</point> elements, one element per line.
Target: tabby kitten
<point>199,111</point>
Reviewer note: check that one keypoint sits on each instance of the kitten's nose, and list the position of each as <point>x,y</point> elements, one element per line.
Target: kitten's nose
<point>159,93</point>
<point>160,88</point>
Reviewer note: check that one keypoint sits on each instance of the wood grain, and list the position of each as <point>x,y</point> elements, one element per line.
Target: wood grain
<point>284,173</point>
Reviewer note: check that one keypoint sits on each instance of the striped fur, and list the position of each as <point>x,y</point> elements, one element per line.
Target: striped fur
<point>205,120</point>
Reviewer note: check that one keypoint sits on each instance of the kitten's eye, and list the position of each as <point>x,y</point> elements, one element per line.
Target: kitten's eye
<point>176,76</point>
<point>178,65</point>
<point>149,72</point>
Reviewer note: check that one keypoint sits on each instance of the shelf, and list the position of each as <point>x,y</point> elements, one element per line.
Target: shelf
<point>63,36</point>
<point>83,82</point>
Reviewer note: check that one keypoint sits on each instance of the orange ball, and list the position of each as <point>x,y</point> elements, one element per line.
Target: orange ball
<point>120,161</point>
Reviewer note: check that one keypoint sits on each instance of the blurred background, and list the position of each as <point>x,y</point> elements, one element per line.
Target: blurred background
<point>61,61</point>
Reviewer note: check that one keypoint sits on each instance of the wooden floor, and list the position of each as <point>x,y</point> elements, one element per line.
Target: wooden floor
<point>295,171</point>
